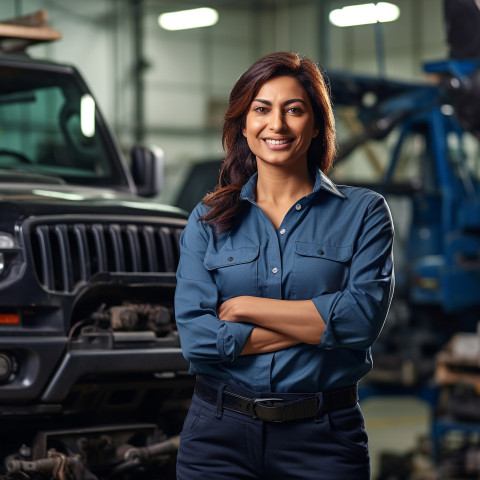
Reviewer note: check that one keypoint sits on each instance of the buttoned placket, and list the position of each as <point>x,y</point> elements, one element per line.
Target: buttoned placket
<point>278,262</point>
<point>289,222</point>
<point>262,376</point>
<point>275,285</point>
<point>275,265</point>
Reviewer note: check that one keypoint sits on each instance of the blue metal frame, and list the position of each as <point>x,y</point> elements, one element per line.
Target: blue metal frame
<point>444,264</point>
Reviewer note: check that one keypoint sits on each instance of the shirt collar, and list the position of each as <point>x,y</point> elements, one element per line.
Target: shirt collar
<point>248,190</point>
<point>322,182</point>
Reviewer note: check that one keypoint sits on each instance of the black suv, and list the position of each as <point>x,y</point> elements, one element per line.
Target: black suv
<point>93,383</point>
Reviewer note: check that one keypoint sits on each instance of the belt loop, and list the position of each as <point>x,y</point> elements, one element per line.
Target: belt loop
<point>219,411</point>
<point>320,414</point>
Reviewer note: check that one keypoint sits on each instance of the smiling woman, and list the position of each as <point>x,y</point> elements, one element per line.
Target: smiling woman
<point>279,128</point>
<point>280,123</point>
<point>240,161</point>
<point>283,285</point>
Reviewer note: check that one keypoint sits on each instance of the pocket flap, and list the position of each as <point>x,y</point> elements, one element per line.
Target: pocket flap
<point>227,258</point>
<point>337,253</point>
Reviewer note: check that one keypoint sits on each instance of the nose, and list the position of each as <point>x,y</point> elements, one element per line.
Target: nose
<point>276,122</point>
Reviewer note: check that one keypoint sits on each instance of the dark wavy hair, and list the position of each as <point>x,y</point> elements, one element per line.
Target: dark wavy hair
<point>240,163</point>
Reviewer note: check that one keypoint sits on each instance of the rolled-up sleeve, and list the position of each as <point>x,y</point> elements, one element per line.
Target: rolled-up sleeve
<point>355,316</point>
<point>203,337</point>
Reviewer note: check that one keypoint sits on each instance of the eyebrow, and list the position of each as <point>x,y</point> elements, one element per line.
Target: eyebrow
<point>286,102</point>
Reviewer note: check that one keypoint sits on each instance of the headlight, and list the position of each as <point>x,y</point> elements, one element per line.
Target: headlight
<point>6,242</point>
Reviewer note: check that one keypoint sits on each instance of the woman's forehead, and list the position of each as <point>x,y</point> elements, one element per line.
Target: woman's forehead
<point>282,87</point>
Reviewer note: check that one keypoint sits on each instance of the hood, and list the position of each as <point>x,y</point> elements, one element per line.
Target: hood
<point>24,200</point>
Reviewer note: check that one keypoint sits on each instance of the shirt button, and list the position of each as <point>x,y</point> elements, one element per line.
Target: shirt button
<point>282,231</point>
<point>230,259</point>
<point>298,207</point>
<point>274,270</point>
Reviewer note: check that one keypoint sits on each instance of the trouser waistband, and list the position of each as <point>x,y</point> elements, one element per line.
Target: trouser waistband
<point>275,409</point>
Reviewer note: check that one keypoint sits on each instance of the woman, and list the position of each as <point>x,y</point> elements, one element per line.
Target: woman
<point>284,283</point>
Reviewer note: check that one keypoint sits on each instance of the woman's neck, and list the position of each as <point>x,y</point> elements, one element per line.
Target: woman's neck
<point>277,191</point>
<point>279,186</point>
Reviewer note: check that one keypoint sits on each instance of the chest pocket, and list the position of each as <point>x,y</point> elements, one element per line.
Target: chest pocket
<point>320,268</point>
<point>235,271</point>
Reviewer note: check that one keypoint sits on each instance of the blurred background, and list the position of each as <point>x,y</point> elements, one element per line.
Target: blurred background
<point>406,94</point>
<point>170,88</point>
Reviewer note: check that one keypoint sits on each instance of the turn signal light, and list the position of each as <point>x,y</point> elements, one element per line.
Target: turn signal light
<point>9,319</point>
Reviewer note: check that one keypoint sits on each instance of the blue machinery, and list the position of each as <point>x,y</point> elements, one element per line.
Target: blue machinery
<point>438,277</point>
<point>443,247</point>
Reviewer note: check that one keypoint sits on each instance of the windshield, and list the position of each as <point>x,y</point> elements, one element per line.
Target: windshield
<point>49,127</point>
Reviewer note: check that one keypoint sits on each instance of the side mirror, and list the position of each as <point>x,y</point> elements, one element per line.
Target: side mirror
<point>147,170</point>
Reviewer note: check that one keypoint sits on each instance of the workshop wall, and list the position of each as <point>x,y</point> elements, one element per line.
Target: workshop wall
<point>181,92</point>
<point>417,36</point>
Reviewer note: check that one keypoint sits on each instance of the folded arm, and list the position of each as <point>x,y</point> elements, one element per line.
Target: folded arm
<point>203,337</point>
<point>263,340</point>
<point>295,320</point>
<point>349,318</point>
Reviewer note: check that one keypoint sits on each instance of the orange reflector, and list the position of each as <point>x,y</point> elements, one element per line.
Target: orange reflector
<point>9,319</point>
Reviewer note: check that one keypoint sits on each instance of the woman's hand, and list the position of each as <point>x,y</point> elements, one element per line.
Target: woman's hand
<point>298,319</point>
<point>236,309</point>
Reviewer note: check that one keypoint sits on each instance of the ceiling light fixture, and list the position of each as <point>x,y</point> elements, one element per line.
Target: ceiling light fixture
<point>185,19</point>
<point>364,14</point>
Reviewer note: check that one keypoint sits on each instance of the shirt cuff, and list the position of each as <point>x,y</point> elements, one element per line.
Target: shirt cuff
<point>231,338</point>
<point>325,305</point>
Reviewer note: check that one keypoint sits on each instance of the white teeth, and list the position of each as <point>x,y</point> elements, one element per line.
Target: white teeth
<point>276,142</point>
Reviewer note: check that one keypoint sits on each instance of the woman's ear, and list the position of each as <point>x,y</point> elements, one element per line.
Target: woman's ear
<point>316,131</point>
<point>244,132</point>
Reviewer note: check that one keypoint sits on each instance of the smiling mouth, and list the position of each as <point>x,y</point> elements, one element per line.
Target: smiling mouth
<point>283,141</point>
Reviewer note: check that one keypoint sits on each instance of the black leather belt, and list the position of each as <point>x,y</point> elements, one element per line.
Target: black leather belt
<point>274,409</point>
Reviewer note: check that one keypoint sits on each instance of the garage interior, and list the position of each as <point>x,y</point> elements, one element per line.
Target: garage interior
<point>406,96</point>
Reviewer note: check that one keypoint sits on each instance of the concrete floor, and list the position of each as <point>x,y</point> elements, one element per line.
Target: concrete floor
<point>394,424</point>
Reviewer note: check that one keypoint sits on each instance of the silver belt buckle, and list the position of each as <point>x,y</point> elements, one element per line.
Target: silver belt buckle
<point>251,408</point>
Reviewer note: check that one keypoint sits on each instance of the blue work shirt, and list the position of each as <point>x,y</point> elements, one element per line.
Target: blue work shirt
<point>334,247</point>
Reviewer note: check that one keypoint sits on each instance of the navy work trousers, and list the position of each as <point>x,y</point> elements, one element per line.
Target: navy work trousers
<point>219,444</point>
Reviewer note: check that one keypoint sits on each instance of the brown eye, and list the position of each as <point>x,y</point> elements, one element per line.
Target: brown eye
<point>294,110</point>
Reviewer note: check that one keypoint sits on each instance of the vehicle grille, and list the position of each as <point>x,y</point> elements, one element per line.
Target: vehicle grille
<point>71,252</point>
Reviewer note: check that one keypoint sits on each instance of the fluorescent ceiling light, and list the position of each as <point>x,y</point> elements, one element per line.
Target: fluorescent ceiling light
<point>184,19</point>
<point>364,14</point>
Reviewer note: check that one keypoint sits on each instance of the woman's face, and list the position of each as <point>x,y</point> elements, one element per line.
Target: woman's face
<point>280,124</point>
